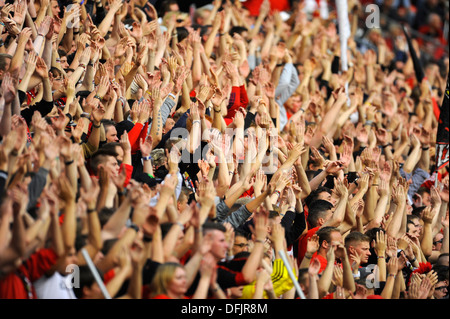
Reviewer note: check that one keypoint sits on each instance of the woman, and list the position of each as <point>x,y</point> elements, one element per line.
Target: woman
<point>169,281</point>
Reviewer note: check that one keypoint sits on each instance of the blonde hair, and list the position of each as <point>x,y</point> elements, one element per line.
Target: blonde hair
<point>163,276</point>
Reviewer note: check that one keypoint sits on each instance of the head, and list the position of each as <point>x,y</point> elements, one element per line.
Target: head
<point>320,192</point>
<point>441,287</point>
<point>442,259</point>
<point>413,225</point>
<point>168,126</point>
<point>5,63</point>
<point>55,8</point>
<point>303,280</point>
<point>88,287</point>
<point>182,201</point>
<point>358,244</point>
<point>240,243</point>
<point>425,193</point>
<point>437,241</point>
<point>106,159</point>
<point>63,59</point>
<point>57,78</point>
<point>170,280</point>
<point>115,147</point>
<point>216,232</point>
<point>110,131</point>
<point>319,212</point>
<point>327,237</point>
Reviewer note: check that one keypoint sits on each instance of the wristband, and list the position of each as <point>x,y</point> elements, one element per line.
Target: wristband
<point>134,226</point>
<point>380,257</point>
<point>412,261</point>
<point>181,225</point>
<point>98,97</point>
<point>216,111</point>
<point>68,162</point>
<point>196,121</point>
<point>392,275</point>
<point>147,158</point>
<point>96,126</point>
<point>425,148</point>
<point>147,239</point>
<point>172,95</point>
<point>69,116</point>
<point>259,241</point>
<point>85,115</point>
<point>277,192</point>
<point>90,211</point>
<point>308,257</point>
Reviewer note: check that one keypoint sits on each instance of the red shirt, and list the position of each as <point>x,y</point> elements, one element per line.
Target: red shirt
<point>19,283</point>
<point>303,241</point>
<point>254,5</point>
<point>323,261</point>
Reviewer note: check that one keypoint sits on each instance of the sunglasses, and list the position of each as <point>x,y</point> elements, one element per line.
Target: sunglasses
<point>241,245</point>
<point>440,288</point>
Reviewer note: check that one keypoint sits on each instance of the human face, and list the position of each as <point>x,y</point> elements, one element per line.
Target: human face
<point>57,82</point>
<point>111,166</point>
<point>119,151</point>
<point>111,134</point>
<point>441,289</point>
<point>55,8</point>
<point>437,241</point>
<point>219,245</point>
<point>414,228</point>
<point>169,124</point>
<point>178,286</point>
<point>64,63</point>
<point>362,250</point>
<point>7,65</point>
<point>240,245</point>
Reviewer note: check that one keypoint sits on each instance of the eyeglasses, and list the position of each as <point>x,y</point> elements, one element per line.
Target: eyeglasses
<point>241,245</point>
<point>440,288</point>
<point>57,79</point>
<point>417,225</point>
<point>439,241</point>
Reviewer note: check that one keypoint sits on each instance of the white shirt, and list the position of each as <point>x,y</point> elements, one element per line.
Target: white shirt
<point>54,287</point>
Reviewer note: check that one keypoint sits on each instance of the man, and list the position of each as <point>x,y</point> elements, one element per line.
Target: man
<point>110,131</point>
<point>107,160</point>
<point>358,249</point>
<point>327,236</point>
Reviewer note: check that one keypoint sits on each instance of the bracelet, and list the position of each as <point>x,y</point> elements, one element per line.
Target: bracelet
<point>196,121</point>
<point>412,261</point>
<point>98,97</point>
<point>277,192</point>
<point>134,226</point>
<point>82,65</point>
<point>68,162</point>
<point>374,184</point>
<point>85,114</point>
<point>90,211</point>
<point>96,126</point>
<point>291,209</point>
<point>216,111</point>
<point>40,35</point>
<point>392,275</point>
<point>368,123</point>
<point>172,95</point>
<point>147,158</point>
<point>308,257</point>
<point>425,148</point>
<point>259,241</point>
<point>181,225</point>
<point>384,146</point>
<point>380,257</point>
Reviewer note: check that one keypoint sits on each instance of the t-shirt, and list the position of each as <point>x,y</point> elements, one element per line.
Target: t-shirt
<point>19,284</point>
<point>303,241</point>
<point>323,261</point>
<point>54,287</point>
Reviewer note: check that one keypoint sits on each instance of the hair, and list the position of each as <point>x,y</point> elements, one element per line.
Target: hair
<point>418,210</point>
<point>55,72</point>
<point>372,233</point>
<point>62,52</point>
<point>87,279</point>
<point>273,214</point>
<point>100,157</point>
<point>163,276</point>
<point>314,195</point>
<point>111,146</point>
<point>237,29</point>
<point>165,7</point>
<point>185,192</point>
<point>210,226</point>
<point>356,237</point>
<point>107,123</point>
<point>440,259</point>
<point>324,234</point>
<point>3,57</point>
<point>409,220</point>
<point>318,210</point>
<point>158,157</point>
<point>238,233</point>
<point>302,276</point>
<point>105,214</point>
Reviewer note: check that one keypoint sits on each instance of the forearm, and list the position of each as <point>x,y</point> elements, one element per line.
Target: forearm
<point>426,244</point>
<point>394,226</point>
<point>412,160</point>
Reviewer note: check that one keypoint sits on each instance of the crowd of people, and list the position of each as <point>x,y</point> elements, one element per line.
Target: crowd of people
<point>150,152</point>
